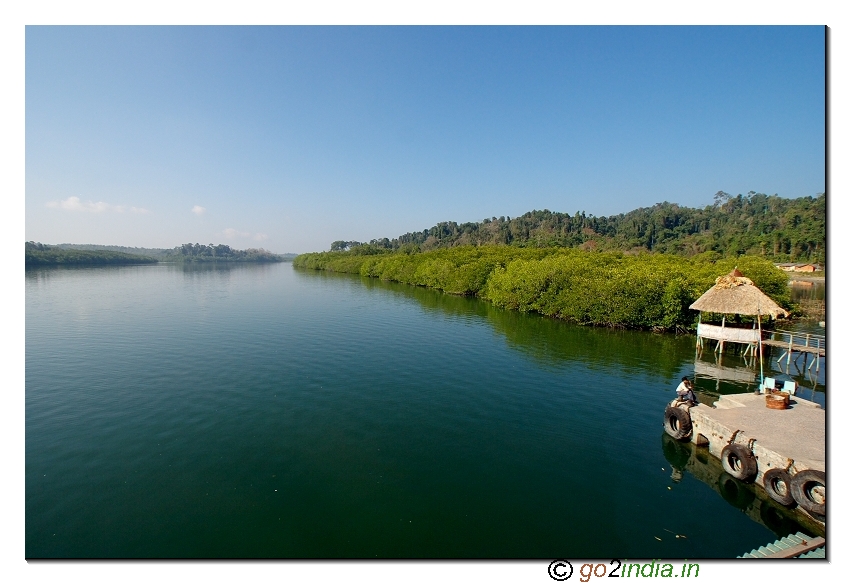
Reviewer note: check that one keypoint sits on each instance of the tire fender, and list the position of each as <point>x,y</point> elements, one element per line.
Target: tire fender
<point>677,422</point>
<point>739,462</point>
<point>802,486</point>
<point>777,484</point>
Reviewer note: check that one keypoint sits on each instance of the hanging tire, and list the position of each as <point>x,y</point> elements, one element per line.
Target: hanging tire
<point>777,484</point>
<point>809,491</point>
<point>739,462</point>
<point>677,422</point>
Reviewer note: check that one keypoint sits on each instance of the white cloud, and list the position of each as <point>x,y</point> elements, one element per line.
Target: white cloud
<point>232,233</point>
<point>73,203</point>
<point>198,210</point>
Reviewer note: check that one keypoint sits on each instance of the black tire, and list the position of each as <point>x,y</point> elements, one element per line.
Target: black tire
<point>735,492</point>
<point>677,422</point>
<point>802,487</point>
<point>777,484</point>
<point>739,462</point>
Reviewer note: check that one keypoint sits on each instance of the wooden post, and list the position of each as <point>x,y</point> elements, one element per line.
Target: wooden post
<point>790,348</point>
<point>722,331</point>
<point>761,353</point>
<point>817,368</point>
<point>699,321</point>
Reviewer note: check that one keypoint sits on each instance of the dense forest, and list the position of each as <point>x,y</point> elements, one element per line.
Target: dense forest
<point>646,290</point>
<point>776,228</point>
<point>198,252</point>
<point>40,254</point>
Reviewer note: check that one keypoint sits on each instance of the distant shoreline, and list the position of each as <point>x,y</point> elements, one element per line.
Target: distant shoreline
<point>792,277</point>
<point>69,254</point>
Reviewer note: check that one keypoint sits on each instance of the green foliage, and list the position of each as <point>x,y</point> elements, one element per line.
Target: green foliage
<point>144,251</point>
<point>772,227</point>
<point>197,252</point>
<point>41,254</point>
<point>648,290</point>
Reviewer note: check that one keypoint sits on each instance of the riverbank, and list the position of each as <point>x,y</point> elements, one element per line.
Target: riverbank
<point>811,277</point>
<point>43,255</point>
<point>645,291</point>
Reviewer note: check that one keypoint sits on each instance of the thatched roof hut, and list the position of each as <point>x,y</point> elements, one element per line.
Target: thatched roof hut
<point>736,294</point>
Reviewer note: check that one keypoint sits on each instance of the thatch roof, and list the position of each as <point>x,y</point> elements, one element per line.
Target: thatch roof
<point>736,294</point>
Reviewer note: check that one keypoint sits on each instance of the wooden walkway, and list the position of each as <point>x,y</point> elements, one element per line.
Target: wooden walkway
<point>789,547</point>
<point>795,347</point>
<point>802,343</point>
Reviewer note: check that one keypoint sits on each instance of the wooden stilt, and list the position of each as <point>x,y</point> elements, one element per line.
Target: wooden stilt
<point>761,352</point>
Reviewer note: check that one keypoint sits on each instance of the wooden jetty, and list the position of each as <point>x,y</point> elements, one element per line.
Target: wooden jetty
<point>735,294</point>
<point>803,344</point>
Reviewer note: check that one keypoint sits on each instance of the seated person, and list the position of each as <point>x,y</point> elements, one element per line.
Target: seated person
<point>685,391</point>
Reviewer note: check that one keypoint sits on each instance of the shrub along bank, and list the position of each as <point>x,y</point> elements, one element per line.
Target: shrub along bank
<point>594,288</point>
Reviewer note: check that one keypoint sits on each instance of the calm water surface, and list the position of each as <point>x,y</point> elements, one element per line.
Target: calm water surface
<point>262,411</point>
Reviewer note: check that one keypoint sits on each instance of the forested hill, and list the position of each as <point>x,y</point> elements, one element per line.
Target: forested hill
<point>779,229</point>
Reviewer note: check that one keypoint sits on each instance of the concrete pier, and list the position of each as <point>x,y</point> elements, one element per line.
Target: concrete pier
<point>750,499</point>
<point>792,438</point>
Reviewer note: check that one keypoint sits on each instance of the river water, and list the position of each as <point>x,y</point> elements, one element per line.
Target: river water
<point>264,411</point>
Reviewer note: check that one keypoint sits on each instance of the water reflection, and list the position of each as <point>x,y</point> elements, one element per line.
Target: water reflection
<point>549,342</point>
<point>807,289</point>
<point>202,267</point>
<point>687,459</point>
<point>555,344</point>
<point>44,273</point>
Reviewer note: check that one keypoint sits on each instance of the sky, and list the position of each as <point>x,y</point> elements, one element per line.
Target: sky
<point>289,138</point>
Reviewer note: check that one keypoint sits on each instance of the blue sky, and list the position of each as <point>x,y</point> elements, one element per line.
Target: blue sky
<point>292,137</point>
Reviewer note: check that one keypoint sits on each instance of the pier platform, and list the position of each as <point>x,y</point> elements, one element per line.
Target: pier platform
<point>789,439</point>
<point>797,433</point>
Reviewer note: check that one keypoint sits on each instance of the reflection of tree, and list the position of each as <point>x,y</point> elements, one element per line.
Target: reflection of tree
<point>548,341</point>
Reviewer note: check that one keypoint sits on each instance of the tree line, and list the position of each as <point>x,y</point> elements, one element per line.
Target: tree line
<point>199,252</point>
<point>41,254</point>
<point>776,228</point>
<point>643,291</point>
<point>66,254</point>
